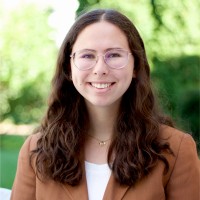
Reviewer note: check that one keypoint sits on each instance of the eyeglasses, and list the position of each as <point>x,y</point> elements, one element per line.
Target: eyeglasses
<point>87,59</point>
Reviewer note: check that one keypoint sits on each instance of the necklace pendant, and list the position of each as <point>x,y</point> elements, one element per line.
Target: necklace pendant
<point>102,143</point>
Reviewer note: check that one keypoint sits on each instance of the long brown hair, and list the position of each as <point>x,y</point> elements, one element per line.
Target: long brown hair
<point>136,143</point>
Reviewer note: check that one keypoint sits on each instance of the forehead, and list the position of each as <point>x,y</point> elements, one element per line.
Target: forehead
<point>101,34</point>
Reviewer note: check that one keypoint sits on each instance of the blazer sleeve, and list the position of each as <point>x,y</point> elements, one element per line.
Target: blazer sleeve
<point>25,179</point>
<point>184,182</point>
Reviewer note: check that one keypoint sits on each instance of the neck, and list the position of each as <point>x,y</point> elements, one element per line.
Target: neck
<point>100,142</point>
<point>101,127</point>
<point>102,120</point>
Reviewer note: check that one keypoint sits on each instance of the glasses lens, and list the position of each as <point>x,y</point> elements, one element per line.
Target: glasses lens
<point>84,59</point>
<point>116,58</point>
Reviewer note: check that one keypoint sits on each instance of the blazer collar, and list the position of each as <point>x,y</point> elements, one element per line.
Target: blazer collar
<point>113,190</point>
<point>77,192</point>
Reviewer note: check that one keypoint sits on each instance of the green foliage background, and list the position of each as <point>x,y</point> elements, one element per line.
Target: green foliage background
<point>171,33</point>
<point>27,61</point>
<point>10,146</point>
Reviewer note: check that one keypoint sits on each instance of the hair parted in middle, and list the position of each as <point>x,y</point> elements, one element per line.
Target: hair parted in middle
<point>136,143</point>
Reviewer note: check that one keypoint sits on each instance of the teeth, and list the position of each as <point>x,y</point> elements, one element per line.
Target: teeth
<point>101,85</point>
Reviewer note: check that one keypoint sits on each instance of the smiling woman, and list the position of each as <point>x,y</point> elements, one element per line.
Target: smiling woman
<point>103,136</point>
<point>102,80</point>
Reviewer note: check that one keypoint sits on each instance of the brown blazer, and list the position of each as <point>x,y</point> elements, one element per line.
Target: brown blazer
<point>182,182</point>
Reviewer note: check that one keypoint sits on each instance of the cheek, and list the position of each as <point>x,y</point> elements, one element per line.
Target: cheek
<point>128,77</point>
<point>77,82</point>
<point>130,74</point>
<point>78,77</point>
<point>75,75</point>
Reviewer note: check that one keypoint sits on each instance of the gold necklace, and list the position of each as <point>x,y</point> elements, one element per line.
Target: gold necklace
<point>100,142</point>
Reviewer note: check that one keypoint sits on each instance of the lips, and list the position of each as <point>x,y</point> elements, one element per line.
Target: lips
<point>101,85</point>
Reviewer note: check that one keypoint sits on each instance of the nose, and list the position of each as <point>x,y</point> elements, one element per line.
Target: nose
<point>101,67</point>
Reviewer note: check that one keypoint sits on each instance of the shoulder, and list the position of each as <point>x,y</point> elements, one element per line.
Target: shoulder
<point>182,145</point>
<point>29,144</point>
<point>183,177</point>
<point>176,138</point>
<point>184,159</point>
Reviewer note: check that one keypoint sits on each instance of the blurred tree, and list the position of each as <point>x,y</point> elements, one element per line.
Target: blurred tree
<point>177,81</point>
<point>84,4</point>
<point>27,59</point>
<point>168,27</point>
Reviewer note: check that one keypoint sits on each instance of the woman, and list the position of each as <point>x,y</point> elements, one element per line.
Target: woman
<point>102,136</point>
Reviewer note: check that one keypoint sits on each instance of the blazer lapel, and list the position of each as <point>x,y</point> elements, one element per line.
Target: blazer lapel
<point>77,192</point>
<point>114,190</point>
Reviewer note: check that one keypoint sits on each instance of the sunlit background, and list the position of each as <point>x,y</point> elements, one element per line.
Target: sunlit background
<point>31,32</point>
<point>61,17</point>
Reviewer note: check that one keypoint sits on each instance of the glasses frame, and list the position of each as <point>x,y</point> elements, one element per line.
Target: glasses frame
<point>104,59</point>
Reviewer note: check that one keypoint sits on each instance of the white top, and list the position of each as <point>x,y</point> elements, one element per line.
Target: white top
<point>97,177</point>
<point>5,193</point>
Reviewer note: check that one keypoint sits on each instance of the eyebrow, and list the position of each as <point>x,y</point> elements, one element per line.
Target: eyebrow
<point>114,48</point>
<point>108,49</point>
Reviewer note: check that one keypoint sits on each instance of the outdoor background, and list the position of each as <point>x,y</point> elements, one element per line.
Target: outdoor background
<point>32,31</point>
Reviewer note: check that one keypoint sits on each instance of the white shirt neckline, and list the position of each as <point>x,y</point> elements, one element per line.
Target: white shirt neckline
<point>97,176</point>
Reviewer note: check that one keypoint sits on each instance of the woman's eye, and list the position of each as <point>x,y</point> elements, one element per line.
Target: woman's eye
<point>113,55</point>
<point>88,56</point>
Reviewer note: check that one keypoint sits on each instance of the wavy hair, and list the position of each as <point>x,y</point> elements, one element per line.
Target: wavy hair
<point>137,144</point>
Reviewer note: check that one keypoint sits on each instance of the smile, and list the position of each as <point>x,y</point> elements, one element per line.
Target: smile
<point>101,85</point>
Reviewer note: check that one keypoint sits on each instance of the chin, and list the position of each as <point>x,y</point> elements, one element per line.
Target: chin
<point>103,103</point>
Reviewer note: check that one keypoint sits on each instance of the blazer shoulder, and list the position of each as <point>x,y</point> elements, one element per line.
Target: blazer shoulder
<point>176,138</point>
<point>29,144</point>
<point>183,178</point>
<point>184,157</point>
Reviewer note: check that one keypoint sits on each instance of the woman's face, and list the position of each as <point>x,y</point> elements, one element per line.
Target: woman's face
<point>101,85</point>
